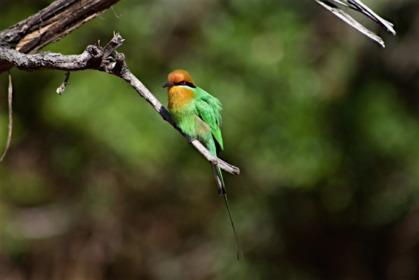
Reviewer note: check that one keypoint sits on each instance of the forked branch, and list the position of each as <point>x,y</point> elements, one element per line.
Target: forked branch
<point>105,59</point>
<point>50,24</point>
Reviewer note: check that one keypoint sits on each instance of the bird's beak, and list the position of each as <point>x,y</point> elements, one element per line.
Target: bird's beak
<point>168,85</point>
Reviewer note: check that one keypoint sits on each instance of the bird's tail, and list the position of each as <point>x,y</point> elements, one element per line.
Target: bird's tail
<point>218,175</point>
<point>222,191</point>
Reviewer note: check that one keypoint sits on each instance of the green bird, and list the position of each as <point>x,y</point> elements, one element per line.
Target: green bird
<point>198,115</point>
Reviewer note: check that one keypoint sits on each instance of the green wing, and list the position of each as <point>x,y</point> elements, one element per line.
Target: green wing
<point>209,110</point>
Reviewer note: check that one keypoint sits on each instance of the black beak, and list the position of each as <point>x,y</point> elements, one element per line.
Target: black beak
<point>168,85</point>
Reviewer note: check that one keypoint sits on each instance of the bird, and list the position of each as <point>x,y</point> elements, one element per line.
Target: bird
<point>198,115</point>
<point>334,6</point>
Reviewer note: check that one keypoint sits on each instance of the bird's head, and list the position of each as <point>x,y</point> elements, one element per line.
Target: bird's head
<point>179,77</point>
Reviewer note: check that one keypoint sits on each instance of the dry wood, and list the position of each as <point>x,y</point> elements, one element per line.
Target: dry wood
<point>50,24</point>
<point>105,59</point>
<point>10,122</point>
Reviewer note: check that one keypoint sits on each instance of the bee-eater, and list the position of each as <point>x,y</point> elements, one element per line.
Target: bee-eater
<point>334,7</point>
<point>198,115</point>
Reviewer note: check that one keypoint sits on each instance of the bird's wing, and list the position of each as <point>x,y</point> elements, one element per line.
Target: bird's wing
<point>209,110</point>
<point>351,21</point>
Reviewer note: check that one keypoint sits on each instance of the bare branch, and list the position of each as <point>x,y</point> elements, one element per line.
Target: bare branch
<point>215,160</point>
<point>105,59</point>
<point>60,90</point>
<point>333,7</point>
<point>150,98</point>
<point>50,24</point>
<point>10,122</point>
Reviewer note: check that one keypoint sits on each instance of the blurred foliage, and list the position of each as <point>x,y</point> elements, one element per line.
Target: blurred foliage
<point>323,123</point>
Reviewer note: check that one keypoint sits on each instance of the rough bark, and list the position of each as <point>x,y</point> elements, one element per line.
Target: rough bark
<point>108,60</point>
<point>50,24</point>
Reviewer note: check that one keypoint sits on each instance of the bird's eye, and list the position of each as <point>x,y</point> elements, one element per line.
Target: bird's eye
<point>185,83</point>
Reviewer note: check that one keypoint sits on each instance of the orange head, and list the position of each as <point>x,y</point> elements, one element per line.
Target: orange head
<point>179,77</point>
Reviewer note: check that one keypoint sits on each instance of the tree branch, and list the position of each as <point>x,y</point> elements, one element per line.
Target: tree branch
<point>108,60</point>
<point>10,123</point>
<point>50,24</point>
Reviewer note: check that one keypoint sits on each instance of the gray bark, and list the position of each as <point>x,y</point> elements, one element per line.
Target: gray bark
<point>105,59</point>
<point>50,24</point>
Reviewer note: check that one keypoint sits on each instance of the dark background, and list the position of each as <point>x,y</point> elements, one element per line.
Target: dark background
<point>322,122</point>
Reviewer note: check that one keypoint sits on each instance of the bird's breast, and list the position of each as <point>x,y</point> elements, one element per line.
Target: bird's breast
<point>180,97</point>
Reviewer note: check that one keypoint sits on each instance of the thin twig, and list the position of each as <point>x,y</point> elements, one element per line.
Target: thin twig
<point>53,22</point>
<point>10,122</point>
<point>60,90</point>
<point>108,60</point>
<point>143,91</point>
<point>333,7</point>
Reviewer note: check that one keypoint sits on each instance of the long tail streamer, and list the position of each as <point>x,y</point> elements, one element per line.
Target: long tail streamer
<point>222,191</point>
<point>236,237</point>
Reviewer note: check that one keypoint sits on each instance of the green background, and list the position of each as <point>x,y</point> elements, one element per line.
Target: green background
<point>322,122</point>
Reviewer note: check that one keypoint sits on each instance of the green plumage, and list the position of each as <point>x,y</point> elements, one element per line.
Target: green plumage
<point>199,117</point>
<point>209,109</point>
<point>198,114</point>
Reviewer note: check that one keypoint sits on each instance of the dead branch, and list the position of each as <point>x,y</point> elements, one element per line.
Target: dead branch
<point>50,24</point>
<point>105,59</point>
<point>10,122</point>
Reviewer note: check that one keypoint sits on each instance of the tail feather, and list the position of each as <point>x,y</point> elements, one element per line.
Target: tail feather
<point>218,175</point>
<point>219,180</point>
<point>222,191</point>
